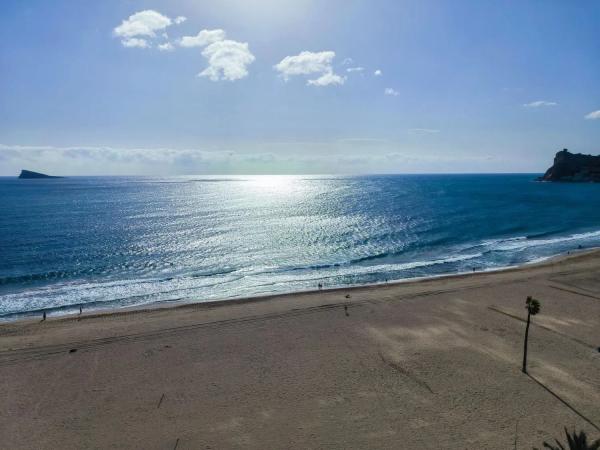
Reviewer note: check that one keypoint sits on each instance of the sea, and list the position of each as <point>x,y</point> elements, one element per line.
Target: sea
<point>113,242</point>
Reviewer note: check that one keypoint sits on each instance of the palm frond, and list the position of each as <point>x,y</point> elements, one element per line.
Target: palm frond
<point>576,441</point>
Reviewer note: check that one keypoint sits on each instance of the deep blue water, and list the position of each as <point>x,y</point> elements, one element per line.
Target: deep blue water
<point>119,241</point>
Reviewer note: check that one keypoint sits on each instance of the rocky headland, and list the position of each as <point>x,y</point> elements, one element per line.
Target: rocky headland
<point>573,168</point>
<point>28,174</point>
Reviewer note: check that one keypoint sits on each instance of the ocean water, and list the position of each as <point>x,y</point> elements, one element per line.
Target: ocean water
<point>105,242</point>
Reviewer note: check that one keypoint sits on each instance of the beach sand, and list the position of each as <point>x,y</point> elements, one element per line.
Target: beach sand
<point>430,364</point>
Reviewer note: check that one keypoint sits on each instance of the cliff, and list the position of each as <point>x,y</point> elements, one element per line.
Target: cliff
<point>573,167</point>
<point>30,174</point>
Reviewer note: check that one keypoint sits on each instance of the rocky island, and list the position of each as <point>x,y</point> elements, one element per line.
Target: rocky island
<point>574,168</point>
<point>28,174</point>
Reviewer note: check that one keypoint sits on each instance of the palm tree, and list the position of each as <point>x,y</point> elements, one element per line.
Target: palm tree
<point>575,442</point>
<point>533,307</point>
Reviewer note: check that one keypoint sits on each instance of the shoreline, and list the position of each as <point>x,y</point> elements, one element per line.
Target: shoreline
<point>183,303</point>
<point>406,364</point>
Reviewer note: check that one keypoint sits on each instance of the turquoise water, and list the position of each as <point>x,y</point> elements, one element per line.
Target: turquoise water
<point>119,241</point>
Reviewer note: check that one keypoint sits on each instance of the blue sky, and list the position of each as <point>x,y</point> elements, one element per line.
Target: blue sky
<point>85,88</point>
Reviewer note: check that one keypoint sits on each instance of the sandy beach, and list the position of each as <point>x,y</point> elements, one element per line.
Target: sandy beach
<point>426,364</point>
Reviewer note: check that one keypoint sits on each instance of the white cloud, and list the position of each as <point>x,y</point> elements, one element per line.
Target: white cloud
<point>143,23</point>
<point>227,60</point>
<point>166,47</point>
<point>309,63</point>
<point>377,73</point>
<point>327,79</point>
<point>594,115</point>
<point>305,63</point>
<point>539,104</point>
<point>139,28</point>
<point>135,42</point>
<point>355,69</point>
<point>392,92</point>
<point>347,61</point>
<point>203,38</point>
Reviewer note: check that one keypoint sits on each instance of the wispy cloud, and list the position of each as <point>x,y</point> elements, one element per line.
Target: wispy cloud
<point>594,115</point>
<point>391,91</point>
<point>355,69</point>
<point>310,63</point>
<point>539,104</point>
<point>377,73</point>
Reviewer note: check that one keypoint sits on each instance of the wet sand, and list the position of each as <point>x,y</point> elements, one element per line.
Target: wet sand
<point>427,364</point>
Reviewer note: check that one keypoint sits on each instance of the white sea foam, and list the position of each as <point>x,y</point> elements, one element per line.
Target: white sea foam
<point>141,291</point>
<point>521,242</point>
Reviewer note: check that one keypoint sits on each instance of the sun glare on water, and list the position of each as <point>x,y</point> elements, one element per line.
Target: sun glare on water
<point>277,184</point>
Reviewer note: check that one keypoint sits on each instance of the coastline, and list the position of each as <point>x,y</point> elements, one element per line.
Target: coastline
<point>360,243</point>
<point>57,313</point>
<point>406,364</point>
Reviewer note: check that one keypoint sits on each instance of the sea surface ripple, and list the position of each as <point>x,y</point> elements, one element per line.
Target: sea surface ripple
<point>105,242</point>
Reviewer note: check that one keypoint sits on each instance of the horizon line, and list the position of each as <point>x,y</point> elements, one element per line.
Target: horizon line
<point>288,174</point>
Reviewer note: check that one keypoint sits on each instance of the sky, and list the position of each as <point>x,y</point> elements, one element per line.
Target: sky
<point>148,87</point>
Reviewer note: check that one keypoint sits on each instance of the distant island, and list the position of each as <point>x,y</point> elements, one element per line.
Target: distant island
<point>574,168</point>
<point>29,174</point>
